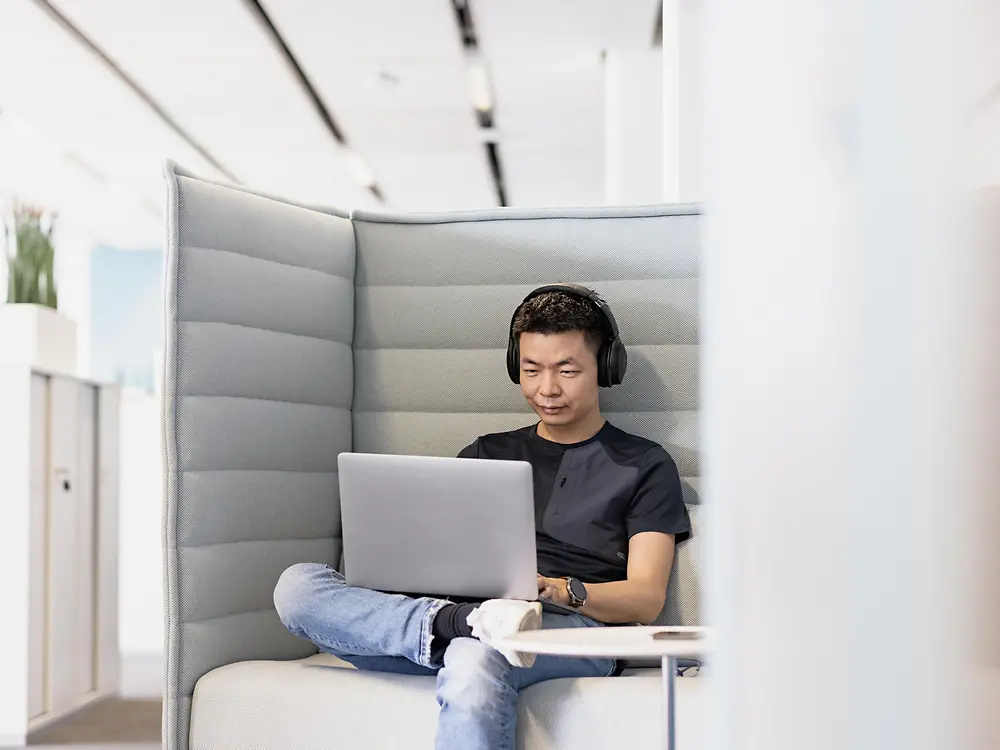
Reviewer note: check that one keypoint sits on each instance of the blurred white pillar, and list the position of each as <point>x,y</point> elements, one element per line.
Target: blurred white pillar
<point>633,127</point>
<point>674,35</point>
<point>978,472</point>
<point>653,114</point>
<point>682,100</point>
<point>850,383</point>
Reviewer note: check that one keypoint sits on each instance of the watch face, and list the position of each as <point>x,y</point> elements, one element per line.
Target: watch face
<point>578,590</point>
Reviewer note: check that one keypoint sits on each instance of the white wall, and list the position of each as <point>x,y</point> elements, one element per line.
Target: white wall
<point>982,92</point>
<point>633,127</point>
<point>141,567</point>
<point>690,161</point>
<point>73,248</point>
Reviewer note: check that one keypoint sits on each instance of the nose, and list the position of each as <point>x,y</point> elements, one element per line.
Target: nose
<point>549,385</point>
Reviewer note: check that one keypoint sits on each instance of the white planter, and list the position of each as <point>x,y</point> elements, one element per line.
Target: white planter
<point>37,336</point>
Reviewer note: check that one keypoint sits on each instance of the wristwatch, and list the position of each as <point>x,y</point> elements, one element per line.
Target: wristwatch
<point>577,592</point>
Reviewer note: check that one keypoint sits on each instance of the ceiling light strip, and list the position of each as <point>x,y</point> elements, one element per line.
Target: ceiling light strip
<point>481,94</point>
<point>358,168</point>
<point>258,11</point>
<point>497,171</point>
<point>144,95</point>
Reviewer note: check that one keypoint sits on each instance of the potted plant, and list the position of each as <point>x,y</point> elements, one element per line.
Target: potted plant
<point>32,330</point>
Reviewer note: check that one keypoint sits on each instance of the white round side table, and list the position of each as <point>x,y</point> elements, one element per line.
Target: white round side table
<point>622,642</point>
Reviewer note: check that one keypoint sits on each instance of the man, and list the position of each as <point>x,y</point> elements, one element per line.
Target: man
<point>608,512</point>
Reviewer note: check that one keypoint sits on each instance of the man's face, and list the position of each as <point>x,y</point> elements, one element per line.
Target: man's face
<point>559,376</point>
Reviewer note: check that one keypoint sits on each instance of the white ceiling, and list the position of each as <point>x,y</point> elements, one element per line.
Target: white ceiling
<point>393,74</point>
<point>212,67</point>
<point>557,29</point>
<point>35,170</point>
<point>550,113</point>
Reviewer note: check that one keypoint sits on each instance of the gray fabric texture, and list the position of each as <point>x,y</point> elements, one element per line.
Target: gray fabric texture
<point>258,388</point>
<point>494,214</point>
<point>293,334</point>
<point>683,606</point>
<point>320,703</point>
<point>219,287</point>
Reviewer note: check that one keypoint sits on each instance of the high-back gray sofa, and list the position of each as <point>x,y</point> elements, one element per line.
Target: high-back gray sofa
<point>296,333</point>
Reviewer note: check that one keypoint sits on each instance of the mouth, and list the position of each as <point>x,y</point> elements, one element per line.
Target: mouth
<point>551,409</point>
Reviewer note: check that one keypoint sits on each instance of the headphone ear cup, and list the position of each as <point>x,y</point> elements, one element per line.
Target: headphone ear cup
<point>617,362</point>
<point>604,365</point>
<point>513,361</point>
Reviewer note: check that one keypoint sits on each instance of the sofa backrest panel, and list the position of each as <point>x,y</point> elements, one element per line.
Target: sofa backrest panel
<point>434,300</point>
<point>258,388</point>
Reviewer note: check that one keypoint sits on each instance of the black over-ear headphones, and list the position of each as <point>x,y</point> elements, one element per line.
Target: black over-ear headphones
<point>611,359</point>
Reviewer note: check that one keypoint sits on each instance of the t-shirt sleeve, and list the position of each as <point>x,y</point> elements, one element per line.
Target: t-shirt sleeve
<point>658,504</point>
<point>470,451</point>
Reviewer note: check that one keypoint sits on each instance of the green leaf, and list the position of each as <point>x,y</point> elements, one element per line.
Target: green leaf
<point>30,257</point>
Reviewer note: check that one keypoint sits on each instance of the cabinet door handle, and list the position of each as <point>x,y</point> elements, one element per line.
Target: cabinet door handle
<point>64,473</point>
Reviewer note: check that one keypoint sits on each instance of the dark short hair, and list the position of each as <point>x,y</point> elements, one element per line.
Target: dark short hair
<point>556,312</point>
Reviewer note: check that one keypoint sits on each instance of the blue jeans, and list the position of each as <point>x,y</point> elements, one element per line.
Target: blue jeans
<point>476,686</point>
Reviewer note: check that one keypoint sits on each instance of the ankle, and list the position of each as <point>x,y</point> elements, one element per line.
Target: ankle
<point>451,622</point>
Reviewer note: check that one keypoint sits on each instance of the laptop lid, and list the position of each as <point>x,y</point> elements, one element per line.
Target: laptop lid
<point>440,526</point>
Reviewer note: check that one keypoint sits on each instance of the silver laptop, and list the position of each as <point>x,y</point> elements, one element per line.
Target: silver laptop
<point>450,527</point>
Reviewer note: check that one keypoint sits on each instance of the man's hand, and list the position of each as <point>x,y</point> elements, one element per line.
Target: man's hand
<point>553,589</point>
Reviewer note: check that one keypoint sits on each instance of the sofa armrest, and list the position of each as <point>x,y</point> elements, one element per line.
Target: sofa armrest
<point>257,392</point>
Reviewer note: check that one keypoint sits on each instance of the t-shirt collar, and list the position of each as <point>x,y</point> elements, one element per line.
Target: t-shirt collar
<point>536,438</point>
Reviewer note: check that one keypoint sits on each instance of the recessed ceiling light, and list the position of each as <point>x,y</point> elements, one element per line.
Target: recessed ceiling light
<point>359,168</point>
<point>482,93</point>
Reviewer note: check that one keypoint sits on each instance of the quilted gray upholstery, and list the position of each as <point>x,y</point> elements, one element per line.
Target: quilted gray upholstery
<point>435,295</point>
<point>296,333</point>
<point>258,386</point>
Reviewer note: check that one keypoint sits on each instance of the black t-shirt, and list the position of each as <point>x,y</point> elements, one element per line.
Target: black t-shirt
<point>592,497</point>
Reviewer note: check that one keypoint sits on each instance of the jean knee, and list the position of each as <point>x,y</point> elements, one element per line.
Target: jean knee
<point>473,675</point>
<point>291,592</point>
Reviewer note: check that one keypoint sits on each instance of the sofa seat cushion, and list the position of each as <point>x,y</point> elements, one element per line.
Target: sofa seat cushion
<point>320,702</point>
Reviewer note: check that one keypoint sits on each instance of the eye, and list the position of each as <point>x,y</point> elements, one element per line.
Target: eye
<point>529,370</point>
<point>570,372</point>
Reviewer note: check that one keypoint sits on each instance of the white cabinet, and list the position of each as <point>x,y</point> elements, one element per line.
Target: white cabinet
<point>58,547</point>
<point>37,544</point>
